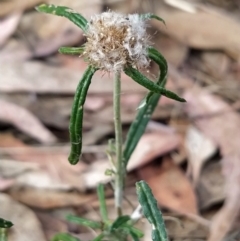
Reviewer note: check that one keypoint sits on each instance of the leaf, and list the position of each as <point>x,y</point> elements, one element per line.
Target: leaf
<point>152,16</point>
<point>84,222</point>
<point>199,149</point>
<point>71,50</point>
<point>8,26</point>
<point>25,121</point>
<point>151,211</point>
<point>221,124</point>
<point>102,201</point>
<point>132,230</point>
<point>161,61</point>
<point>138,126</point>
<point>75,126</point>
<point>99,237</point>
<point>27,226</point>
<point>151,146</point>
<point>66,12</point>
<point>134,236</point>
<point>64,237</point>
<point>5,224</point>
<point>171,186</point>
<point>222,29</point>
<point>120,221</point>
<point>148,84</point>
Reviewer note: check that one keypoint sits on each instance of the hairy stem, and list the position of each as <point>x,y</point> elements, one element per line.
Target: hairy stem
<point>119,178</point>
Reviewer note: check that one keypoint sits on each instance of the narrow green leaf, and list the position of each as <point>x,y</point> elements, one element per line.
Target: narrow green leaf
<point>66,12</point>
<point>157,57</point>
<point>134,236</point>
<point>99,237</point>
<point>5,224</point>
<point>152,16</point>
<point>150,85</point>
<point>64,237</point>
<point>144,114</point>
<point>138,233</point>
<point>71,50</point>
<point>102,201</point>
<point>151,211</point>
<point>75,126</point>
<point>120,221</point>
<point>84,222</point>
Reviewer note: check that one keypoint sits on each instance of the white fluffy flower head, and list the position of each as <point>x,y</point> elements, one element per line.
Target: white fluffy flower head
<point>116,40</point>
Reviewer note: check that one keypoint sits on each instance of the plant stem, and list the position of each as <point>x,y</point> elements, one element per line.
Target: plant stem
<point>120,172</point>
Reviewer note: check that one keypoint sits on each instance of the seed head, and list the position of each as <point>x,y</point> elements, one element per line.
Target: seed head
<point>116,40</point>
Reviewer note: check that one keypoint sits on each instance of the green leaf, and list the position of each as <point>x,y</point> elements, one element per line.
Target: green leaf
<point>64,237</point>
<point>99,237</point>
<point>151,211</point>
<point>102,201</point>
<point>5,224</point>
<point>150,85</point>
<point>71,50</point>
<point>134,236</point>
<point>84,222</point>
<point>144,114</point>
<point>154,55</point>
<point>152,16</point>
<point>66,12</point>
<point>75,126</point>
<point>120,221</point>
<point>133,231</point>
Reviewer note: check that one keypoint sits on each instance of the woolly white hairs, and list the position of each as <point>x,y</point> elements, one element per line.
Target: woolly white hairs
<point>115,40</point>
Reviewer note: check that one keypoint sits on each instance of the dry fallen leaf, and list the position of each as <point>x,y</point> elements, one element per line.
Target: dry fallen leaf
<point>180,229</point>
<point>214,30</point>
<point>26,225</point>
<point>39,167</point>
<point>25,121</point>
<point>48,199</point>
<point>217,120</point>
<point>8,26</point>
<point>210,187</point>
<point>199,148</point>
<point>8,7</point>
<point>170,187</point>
<point>151,146</point>
<point>54,79</point>
<point>47,33</point>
